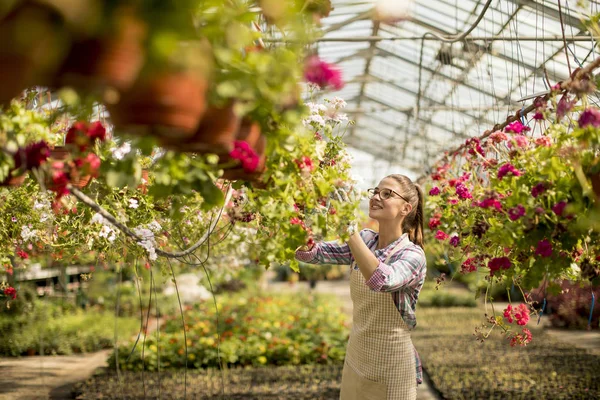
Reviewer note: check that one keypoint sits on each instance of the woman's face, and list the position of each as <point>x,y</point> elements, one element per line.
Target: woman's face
<point>394,208</point>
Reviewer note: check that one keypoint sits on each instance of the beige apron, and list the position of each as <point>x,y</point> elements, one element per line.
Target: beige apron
<point>380,358</point>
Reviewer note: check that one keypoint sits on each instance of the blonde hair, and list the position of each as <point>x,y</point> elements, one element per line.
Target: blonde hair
<point>413,223</point>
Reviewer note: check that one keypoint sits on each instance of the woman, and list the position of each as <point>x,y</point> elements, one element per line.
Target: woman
<point>386,275</point>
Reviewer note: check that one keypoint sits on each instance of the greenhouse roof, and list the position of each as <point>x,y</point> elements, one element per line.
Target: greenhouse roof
<point>412,99</point>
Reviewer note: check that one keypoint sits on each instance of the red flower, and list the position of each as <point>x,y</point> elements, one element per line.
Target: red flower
<point>538,189</point>
<point>522,339</point>
<point>246,154</point>
<point>490,202</point>
<point>454,241</point>
<point>516,212</point>
<point>559,208</point>
<point>34,155</point>
<point>89,165</point>
<point>507,169</point>
<point>517,127</point>
<point>441,235</point>
<point>498,263</point>
<point>82,135</point>
<point>434,191</point>
<point>544,248</point>
<point>434,222</point>
<point>323,74</point>
<point>23,254</point>
<point>305,164</point>
<point>10,292</point>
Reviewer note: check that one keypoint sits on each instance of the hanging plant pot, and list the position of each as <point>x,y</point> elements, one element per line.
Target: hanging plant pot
<point>595,178</point>
<point>168,104</point>
<point>216,133</point>
<point>113,60</point>
<point>14,181</point>
<point>34,43</point>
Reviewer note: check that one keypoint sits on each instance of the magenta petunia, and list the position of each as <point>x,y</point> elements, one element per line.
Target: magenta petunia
<point>516,212</point>
<point>454,241</point>
<point>538,189</point>
<point>434,191</point>
<point>322,73</point>
<point>441,235</point>
<point>463,192</point>
<point>517,127</point>
<point>559,208</point>
<point>244,153</point>
<point>498,263</point>
<point>544,248</point>
<point>490,202</point>
<point>590,117</point>
<point>506,170</point>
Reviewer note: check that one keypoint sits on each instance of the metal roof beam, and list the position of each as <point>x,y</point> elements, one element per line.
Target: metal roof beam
<point>341,24</point>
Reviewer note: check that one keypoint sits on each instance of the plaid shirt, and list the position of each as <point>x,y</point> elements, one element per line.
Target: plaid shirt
<point>402,276</point>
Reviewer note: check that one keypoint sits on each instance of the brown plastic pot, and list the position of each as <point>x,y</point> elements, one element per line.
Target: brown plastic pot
<point>167,104</point>
<point>595,178</point>
<point>215,134</point>
<point>34,43</point>
<point>113,60</point>
<point>14,181</point>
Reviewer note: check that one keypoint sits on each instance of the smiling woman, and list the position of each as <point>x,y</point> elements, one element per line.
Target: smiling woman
<point>381,362</point>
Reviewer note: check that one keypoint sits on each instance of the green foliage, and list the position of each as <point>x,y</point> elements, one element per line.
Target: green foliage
<point>445,297</point>
<point>50,328</point>
<point>254,328</point>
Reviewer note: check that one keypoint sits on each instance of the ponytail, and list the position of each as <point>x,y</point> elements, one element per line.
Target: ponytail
<point>416,232</point>
<point>413,222</point>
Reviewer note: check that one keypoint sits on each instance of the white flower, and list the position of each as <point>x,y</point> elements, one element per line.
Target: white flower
<point>338,103</point>
<point>341,117</point>
<point>120,152</point>
<point>314,120</point>
<point>313,87</point>
<point>45,216</point>
<point>42,204</point>
<point>316,108</point>
<point>98,219</point>
<point>147,242</point>
<point>108,233</point>
<point>133,203</point>
<point>154,226</point>
<point>27,233</point>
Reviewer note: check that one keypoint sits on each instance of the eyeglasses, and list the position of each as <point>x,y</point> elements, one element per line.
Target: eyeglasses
<point>384,194</point>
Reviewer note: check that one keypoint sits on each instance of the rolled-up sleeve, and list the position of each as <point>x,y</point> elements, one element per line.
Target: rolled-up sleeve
<point>404,269</point>
<point>332,252</point>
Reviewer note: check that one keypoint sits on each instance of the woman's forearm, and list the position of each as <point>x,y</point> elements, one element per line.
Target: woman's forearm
<point>365,259</point>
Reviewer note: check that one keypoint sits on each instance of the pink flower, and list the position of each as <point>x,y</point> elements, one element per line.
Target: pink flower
<point>522,339</point>
<point>454,241</point>
<point>89,165</point>
<point>516,212</point>
<point>246,154</point>
<point>564,106</point>
<point>453,201</point>
<point>96,131</point>
<point>441,235</point>
<point>434,191</point>
<point>434,222</point>
<point>470,265</point>
<point>305,164</point>
<point>23,254</point>
<point>590,117</point>
<point>10,292</point>
<point>517,127</point>
<point>508,314</point>
<point>463,192</point>
<point>323,74</point>
<point>559,208</point>
<point>519,141</point>
<point>82,135</point>
<point>538,189</point>
<point>490,202</point>
<point>474,145</point>
<point>498,137</point>
<point>498,263</point>
<point>545,141</point>
<point>507,169</point>
<point>544,248</point>
<point>522,314</point>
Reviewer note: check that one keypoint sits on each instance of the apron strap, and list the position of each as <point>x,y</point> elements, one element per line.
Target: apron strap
<point>402,244</point>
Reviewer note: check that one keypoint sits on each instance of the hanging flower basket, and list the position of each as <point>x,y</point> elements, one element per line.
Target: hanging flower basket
<point>113,60</point>
<point>168,104</point>
<point>34,43</point>
<point>216,133</point>
<point>14,181</point>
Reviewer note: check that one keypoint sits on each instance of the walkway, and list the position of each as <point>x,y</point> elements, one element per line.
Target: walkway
<point>342,290</point>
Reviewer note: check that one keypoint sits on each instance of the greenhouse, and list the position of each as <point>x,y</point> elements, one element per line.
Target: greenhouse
<point>303,199</point>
